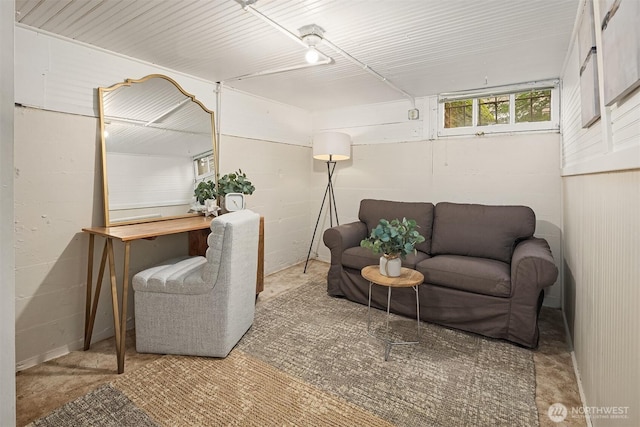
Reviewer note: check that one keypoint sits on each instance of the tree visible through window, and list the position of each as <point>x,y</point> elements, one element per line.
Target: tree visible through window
<point>493,111</point>
<point>506,109</point>
<point>458,114</point>
<point>533,106</point>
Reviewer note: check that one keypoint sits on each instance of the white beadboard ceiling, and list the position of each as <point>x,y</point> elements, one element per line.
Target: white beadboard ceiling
<point>423,47</point>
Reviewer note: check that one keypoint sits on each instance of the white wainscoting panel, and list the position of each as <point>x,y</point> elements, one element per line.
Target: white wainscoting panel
<point>602,271</point>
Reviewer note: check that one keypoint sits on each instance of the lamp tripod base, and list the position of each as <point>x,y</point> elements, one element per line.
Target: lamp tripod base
<point>328,194</point>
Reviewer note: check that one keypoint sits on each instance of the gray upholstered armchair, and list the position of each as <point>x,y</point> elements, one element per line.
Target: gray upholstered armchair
<point>201,306</point>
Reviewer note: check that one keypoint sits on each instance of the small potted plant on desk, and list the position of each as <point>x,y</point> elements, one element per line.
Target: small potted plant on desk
<point>231,189</point>
<point>206,195</point>
<point>395,240</point>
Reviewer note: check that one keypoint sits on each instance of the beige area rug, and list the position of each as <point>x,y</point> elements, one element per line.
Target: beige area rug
<point>451,378</point>
<point>237,391</point>
<point>308,361</point>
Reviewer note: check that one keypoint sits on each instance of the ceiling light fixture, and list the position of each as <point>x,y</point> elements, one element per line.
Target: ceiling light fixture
<point>308,30</point>
<point>312,55</point>
<point>311,35</point>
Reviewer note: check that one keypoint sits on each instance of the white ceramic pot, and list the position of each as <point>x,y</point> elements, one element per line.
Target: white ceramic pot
<point>390,267</point>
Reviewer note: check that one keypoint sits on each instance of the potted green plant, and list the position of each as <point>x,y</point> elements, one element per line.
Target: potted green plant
<point>235,182</point>
<point>205,190</point>
<point>395,240</point>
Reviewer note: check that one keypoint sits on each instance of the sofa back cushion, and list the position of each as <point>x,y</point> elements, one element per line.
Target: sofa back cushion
<point>480,230</point>
<point>372,211</point>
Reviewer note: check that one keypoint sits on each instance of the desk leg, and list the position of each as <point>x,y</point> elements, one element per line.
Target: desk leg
<point>125,296</point>
<point>90,314</point>
<point>260,272</point>
<point>87,308</point>
<point>114,297</point>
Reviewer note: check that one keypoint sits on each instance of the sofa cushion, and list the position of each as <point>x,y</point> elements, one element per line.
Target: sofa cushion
<point>477,275</point>
<point>358,258</point>
<point>372,211</point>
<point>479,230</point>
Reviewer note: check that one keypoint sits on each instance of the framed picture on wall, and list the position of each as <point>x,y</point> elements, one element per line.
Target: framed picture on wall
<point>620,48</point>
<point>589,93</point>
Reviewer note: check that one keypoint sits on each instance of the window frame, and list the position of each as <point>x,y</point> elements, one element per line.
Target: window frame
<point>210,163</point>
<point>512,126</point>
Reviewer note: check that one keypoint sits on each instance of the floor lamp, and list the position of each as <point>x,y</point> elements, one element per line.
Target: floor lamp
<point>330,147</point>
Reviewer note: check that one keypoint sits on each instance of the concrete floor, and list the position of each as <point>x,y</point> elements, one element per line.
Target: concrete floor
<point>47,386</point>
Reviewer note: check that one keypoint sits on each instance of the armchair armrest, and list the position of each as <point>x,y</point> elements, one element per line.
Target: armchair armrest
<point>532,265</point>
<point>341,237</point>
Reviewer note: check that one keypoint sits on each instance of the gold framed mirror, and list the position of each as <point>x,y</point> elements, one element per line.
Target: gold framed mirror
<point>158,142</point>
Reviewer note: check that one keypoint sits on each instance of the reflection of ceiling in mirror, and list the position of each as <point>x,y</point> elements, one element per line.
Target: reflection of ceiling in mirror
<point>154,117</point>
<point>124,138</point>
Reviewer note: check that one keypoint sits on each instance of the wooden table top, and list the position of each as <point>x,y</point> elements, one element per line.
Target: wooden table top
<point>408,277</point>
<point>149,230</point>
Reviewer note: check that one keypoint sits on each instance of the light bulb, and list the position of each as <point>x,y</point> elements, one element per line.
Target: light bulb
<point>312,55</point>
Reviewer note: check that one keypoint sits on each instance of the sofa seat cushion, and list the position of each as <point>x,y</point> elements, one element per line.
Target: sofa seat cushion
<point>477,275</point>
<point>372,211</point>
<point>359,257</point>
<point>479,230</point>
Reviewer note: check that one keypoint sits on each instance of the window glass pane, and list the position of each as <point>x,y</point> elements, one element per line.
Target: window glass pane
<point>458,113</point>
<point>493,111</point>
<point>533,106</point>
<point>204,165</point>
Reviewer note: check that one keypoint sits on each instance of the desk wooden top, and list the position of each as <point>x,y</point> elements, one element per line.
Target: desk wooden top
<point>407,278</point>
<point>152,229</point>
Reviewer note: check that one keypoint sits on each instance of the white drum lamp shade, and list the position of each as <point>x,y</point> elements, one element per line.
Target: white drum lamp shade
<point>332,146</point>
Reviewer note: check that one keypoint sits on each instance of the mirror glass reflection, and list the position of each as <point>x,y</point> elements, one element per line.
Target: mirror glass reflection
<point>157,140</point>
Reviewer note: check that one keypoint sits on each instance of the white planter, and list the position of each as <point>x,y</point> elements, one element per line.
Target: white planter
<point>390,267</point>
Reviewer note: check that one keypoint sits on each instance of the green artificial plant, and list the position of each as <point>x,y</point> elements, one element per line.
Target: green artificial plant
<point>394,238</point>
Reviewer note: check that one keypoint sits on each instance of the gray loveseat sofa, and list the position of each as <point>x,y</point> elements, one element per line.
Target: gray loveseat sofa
<point>484,271</point>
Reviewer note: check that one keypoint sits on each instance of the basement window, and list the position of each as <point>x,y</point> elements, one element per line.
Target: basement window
<point>519,108</point>
<point>204,166</point>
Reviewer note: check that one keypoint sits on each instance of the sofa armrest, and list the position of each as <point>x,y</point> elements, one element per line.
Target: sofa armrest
<point>342,237</point>
<point>338,239</point>
<point>532,265</point>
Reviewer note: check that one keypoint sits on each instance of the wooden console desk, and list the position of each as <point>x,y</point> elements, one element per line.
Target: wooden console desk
<point>198,229</point>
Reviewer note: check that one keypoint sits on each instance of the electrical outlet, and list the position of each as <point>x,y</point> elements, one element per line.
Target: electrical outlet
<point>414,114</point>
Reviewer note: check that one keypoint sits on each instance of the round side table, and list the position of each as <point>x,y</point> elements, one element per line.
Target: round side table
<point>408,279</point>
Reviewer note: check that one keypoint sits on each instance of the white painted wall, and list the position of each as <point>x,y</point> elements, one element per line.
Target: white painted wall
<point>57,74</point>
<point>7,254</point>
<point>280,173</point>
<point>58,190</point>
<point>63,75</point>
